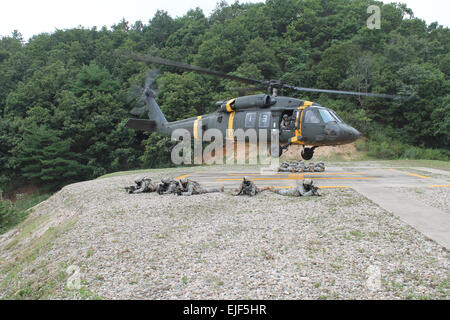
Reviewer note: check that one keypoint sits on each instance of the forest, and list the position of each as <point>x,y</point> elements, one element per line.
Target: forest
<point>64,95</point>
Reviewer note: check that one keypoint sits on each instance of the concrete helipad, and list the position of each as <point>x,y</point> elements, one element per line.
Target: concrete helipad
<point>375,183</point>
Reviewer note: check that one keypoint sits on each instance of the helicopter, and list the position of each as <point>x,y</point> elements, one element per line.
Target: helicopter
<point>300,122</point>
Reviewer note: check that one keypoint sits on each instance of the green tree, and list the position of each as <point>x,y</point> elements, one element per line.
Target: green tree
<point>46,159</point>
<point>183,96</point>
<point>157,151</point>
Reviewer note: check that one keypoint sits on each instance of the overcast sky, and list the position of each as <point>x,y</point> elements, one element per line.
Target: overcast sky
<point>31,17</point>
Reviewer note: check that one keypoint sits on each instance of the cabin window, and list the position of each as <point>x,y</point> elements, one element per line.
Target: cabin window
<point>250,120</point>
<point>311,117</point>
<point>264,119</point>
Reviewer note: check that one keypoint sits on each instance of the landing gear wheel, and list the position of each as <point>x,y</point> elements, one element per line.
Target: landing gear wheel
<point>307,153</point>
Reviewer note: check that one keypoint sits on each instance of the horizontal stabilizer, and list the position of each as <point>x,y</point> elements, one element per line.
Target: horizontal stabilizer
<point>141,124</point>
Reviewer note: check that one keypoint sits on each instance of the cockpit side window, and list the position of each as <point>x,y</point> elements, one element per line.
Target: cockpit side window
<point>311,117</point>
<point>326,116</point>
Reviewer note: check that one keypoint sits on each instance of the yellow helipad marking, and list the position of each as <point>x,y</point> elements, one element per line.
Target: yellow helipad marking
<point>296,176</point>
<point>253,174</point>
<point>304,173</point>
<point>332,187</point>
<point>181,177</point>
<point>346,178</point>
<point>331,173</point>
<point>239,179</point>
<point>320,187</point>
<point>332,178</point>
<point>439,186</point>
<point>411,174</point>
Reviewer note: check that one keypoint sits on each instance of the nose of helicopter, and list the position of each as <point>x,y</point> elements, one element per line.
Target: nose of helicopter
<point>349,134</point>
<point>355,133</point>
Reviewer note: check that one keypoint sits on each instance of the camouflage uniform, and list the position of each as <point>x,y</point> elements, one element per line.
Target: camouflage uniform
<point>168,185</point>
<point>247,187</point>
<point>310,167</point>
<point>190,187</point>
<point>306,188</point>
<point>297,166</point>
<point>320,167</point>
<point>293,166</point>
<point>130,189</point>
<point>142,185</point>
<point>284,167</point>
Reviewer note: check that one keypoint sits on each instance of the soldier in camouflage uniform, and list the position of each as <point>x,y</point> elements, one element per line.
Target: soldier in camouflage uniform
<point>248,187</point>
<point>284,167</point>
<point>168,185</point>
<point>309,167</point>
<point>142,185</point>
<point>189,187</point>
<point>293,166</point>
<point>304,188</point>
<point>320,167</point>
<point>130,189</point>
<point>299,166</point>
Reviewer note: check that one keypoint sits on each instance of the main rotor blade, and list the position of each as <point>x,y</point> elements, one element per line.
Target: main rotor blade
<point>247,89</point>
<point>150,77</point>
<point>264,83</point>
<point>134,92</point>
<point>378,95</point>
<point>171,63</point>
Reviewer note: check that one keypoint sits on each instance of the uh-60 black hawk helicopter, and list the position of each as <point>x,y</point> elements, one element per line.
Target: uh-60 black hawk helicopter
<point>299,121</point>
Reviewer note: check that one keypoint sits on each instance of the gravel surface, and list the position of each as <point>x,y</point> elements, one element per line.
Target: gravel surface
<point>217,246</point>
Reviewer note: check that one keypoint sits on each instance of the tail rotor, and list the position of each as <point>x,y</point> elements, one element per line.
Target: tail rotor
<point>138,95</point>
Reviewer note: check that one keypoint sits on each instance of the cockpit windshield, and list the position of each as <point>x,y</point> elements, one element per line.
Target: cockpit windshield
<point>327,116</point>
<point>334,114</point>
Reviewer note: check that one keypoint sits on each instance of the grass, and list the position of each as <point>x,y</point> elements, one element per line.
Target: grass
<point>435,164</point>
<point>21,209</point>
<point>31,201</point>
<point>45,284</point>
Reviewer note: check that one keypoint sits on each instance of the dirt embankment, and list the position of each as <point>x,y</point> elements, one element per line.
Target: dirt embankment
<point>20,193</point>
<point>344,152</point>
<point>340,153</point>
